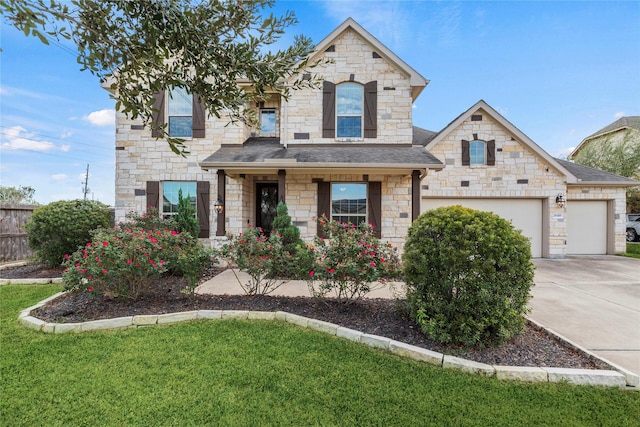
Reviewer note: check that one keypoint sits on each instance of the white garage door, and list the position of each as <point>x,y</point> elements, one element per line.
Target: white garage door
<point>525,214</point>
<point>586,227</point>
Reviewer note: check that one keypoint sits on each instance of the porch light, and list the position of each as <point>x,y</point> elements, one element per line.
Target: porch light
<point>218,205</point>
<point>560,200</point>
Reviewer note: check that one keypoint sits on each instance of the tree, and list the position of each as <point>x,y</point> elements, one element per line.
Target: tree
<point>620,156</point>
<point>18,195</point>
<point>144,46</point>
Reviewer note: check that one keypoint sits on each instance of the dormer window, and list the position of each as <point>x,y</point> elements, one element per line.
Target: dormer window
<point>476,153</point>
<point>349,108</point>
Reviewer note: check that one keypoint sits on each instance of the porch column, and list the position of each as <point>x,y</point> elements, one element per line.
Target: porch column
<point>415,195</point>
<point>220,231</point>
<point>281,185</point>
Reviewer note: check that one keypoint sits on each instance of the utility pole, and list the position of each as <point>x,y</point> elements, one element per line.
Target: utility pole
<point>85,189</point>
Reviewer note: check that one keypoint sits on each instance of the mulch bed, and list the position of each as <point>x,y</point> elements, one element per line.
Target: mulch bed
<point>535,347</point>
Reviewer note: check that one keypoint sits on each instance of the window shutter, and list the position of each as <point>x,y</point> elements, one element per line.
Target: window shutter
<point>157,116</point>
<point>491,152</point>
<point>328,110</point>
<point>202,189</point>
<point>371,109</point>
<point>324,203</point>
<point>199,117</point>
<point>153,195</point>
<point>375,208</point>
<point>466,158</point>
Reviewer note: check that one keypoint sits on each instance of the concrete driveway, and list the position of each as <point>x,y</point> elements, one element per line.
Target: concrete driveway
<point>593,301</point>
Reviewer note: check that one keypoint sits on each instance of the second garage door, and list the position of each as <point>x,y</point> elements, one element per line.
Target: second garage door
<point>586,227</point>
<point>525,214</point>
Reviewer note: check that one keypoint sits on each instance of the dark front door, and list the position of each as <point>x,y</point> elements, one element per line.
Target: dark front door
<point>266,205</point>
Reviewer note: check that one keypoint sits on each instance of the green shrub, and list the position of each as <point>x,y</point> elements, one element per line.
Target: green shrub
<point>349,261</point>
<point>298,260</point>
<point>290,234</point>
<point>59,228</point>
<point>260,256</point>
<point>122,262</point>
<point>149,221</point>
<point>185,219</point>
<point>468,275</point>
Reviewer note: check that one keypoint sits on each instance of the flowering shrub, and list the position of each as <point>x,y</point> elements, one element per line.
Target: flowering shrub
<point>350,260</point>
<point>122,261</point>
<point>259,256</point>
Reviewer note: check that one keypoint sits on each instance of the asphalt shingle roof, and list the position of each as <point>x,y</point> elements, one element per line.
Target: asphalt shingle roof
<point>621,123</point>
<point>270,150</point>
<point>587,174</point>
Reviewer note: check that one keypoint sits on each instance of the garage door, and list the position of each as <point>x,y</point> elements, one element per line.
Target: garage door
<point>525,214</point>
<point>586,227</point>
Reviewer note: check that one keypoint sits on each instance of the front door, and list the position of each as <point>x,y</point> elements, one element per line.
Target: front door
<point>266,205</point>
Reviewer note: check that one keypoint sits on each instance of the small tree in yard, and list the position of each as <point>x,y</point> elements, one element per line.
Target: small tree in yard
<point>468,276</point>
<point>186,220</point>
<point>59,228</point>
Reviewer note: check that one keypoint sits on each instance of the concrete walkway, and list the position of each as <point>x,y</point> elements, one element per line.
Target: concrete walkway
<point>592,301</point>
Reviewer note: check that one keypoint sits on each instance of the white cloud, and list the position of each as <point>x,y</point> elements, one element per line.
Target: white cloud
<point>17,138</point>
<point>59,177</point>
<point>105,117</point>
<point>563,153</point>
<point>619,114</point>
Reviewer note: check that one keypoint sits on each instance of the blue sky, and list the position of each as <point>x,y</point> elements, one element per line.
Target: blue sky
<point>559,71</point>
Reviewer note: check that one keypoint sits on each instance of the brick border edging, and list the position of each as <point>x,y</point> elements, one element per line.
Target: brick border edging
<point>608,378</point>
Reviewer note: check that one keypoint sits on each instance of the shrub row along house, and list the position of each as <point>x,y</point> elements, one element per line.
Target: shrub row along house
<point>348,149</point>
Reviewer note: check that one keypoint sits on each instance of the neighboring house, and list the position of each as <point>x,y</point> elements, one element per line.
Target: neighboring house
<point>349,150</point>
<point>625,130</point>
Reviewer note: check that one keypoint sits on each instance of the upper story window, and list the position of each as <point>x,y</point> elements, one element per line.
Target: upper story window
<point>349,202</point>
<point>349,109</point>
<point>477,152</point>
<point>180,113</point>
<point>268,122</point>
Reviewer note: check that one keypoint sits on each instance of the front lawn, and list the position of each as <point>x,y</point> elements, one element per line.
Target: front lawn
<point>259,373</point>
<point>633,250</point>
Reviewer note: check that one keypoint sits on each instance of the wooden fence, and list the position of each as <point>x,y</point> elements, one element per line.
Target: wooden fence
<point>13,237</point>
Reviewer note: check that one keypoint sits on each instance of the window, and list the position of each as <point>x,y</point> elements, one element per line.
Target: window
<point>349,202</point>
<point>180,112</point>
<point>349,108</point>
<point>170,191</point>
<point>476,152</point>
<point>268,122</point>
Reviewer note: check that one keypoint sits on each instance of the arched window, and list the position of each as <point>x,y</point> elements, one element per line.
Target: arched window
<point>477,152</point>
<point>349,108</point>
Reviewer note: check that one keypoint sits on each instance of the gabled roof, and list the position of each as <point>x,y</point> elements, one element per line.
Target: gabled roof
<point>267,154</point>
<point>591,176</point>
<point>417,81</point>
<point>422,136</point>
<point>517,133</point>
<point>629,122</point>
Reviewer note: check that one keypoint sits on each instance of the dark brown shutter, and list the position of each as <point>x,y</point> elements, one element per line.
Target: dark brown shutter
<point>199,118</point>
<point>375,208</point>
<point>202,188</point>
<point>328,110</point>
<point>371,109</point>
<point>324,203</point>
<point>466,158</point>
<point>157,116</point>
<point>491,152</point>
<point>153,195</point>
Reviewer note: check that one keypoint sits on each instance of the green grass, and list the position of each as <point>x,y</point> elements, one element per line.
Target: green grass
<point>259,373</point>
<point>633,250</point>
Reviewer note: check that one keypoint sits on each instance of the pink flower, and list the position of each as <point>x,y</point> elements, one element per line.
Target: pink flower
<point>105,243</point>
<point>173,233</point>
<point>90,289</point>
<point>129,262</point>
<point>104,271</point>
<point>332,271</point>
<point>373,264</point>
<point>98,259</point>
<point>311,273</point>
<point>89,244</point>
<point>78,264</point>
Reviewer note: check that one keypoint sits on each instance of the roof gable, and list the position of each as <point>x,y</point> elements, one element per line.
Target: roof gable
<point>629,122</point>
<point>417,81</point>
<point>517,133</point>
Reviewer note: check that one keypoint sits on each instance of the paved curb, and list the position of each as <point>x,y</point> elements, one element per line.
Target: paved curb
<point>56,280</point>
<point>607,378</point>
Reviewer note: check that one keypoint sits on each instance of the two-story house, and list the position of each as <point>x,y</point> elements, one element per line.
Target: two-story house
<point>349,150</point>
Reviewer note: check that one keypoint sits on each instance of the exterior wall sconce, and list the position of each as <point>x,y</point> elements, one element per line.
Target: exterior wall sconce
<point>560,200</point>
<point>218,205</point>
